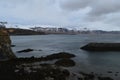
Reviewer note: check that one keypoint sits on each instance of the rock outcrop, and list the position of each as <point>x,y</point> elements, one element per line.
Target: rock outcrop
<point>102,47</point>
<point>5,45</point>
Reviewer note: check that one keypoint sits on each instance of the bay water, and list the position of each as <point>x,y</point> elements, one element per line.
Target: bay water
<point>99,62</point>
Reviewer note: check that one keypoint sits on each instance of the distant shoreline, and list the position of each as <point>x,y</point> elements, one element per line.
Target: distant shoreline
<point>27,32</point>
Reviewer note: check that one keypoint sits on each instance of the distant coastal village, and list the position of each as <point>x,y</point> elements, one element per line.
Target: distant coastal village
<point>43,30</point>
<point>49,30</point>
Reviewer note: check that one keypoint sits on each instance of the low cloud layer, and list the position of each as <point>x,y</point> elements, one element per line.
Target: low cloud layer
<point>78,13</point>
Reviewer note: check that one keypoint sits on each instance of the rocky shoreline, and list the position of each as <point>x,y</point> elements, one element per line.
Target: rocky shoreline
<point>13,68</point>
<point>38,69</point>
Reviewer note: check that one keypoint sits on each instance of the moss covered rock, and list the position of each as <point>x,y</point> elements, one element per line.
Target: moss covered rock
<point>5,45</point>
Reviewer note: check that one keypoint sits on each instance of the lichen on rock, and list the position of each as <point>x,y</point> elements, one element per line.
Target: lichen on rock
<point>5,45</point>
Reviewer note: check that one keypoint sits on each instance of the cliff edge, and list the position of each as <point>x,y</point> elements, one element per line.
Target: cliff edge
<point>5,45</point>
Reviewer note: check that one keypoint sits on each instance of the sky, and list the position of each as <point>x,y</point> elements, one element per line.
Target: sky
<point>76,14</point>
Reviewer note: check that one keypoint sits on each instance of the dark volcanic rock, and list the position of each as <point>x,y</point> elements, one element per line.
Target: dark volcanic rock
<point>90,76</point>
<point>60,55</point>
<point>13,71</point>
<point>56,56</point>
<point>104,78</point>
<point>25,50</point>
<point>13,45</point>
<point>102,47</point>
<point>66,72</point>
<point>109,72</point>
<point>65,62</point>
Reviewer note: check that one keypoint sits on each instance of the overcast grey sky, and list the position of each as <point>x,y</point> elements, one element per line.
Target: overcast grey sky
<point>93,14</point>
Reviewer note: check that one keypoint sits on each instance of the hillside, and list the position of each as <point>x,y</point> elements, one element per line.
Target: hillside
<point>18,31</point>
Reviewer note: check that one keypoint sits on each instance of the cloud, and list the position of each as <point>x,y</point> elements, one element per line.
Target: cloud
<point>103,7</point>
<point>74,4</point>
<point>98,7</point>
<point>113,19</point>
<point>39,12</point>
<point>104,13</point>
<point>80,13</point>
<point>31,10</point>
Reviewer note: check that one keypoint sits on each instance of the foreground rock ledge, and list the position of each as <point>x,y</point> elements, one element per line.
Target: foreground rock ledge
<point>102,47</point>
<point>5,46</point>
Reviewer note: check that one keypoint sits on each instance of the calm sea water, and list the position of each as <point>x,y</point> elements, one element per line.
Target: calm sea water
<point>99,62</point>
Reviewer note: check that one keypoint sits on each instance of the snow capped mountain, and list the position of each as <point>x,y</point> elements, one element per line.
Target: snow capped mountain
<point>30,26</point>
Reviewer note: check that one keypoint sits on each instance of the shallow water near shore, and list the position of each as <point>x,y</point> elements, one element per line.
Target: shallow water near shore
<point>98,62</point>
